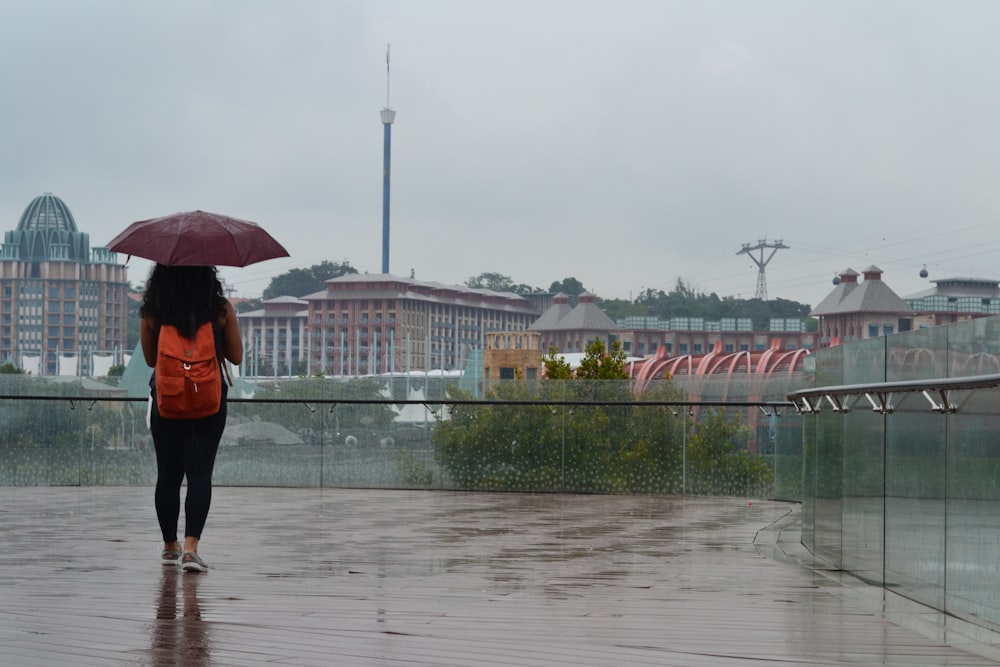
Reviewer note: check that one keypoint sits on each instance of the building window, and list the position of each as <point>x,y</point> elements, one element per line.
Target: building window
<point>873,331</point>
<point>887,330</point>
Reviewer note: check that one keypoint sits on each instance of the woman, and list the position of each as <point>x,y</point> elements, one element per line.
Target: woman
<point>186,297</point>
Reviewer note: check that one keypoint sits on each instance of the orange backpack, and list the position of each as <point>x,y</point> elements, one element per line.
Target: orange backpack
<point>187,372</point>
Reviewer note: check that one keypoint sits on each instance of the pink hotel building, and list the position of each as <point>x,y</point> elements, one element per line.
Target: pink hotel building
<point>364,324</point>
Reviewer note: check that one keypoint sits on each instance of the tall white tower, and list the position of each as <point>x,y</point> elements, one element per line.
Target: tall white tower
<point>388,117</point>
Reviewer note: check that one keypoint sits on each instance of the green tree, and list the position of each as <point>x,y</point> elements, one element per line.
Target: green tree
<point>568,286</point>
<point>600,364</point>
<point>583,431</point>
<point>10,369</point>
<point>492,281</point>
<point>299,282</point>
<point>685,301</point>
<point>246,305</point>
<point>556,366</point>
<point>499,283</point>
<point>619,309</point>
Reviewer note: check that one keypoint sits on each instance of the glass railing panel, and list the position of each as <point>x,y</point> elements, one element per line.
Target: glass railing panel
<point>973,473</point>
<point>783,440</point>
<point>126,457</point>
<point>972,530</point>
<point>863,489</point>
<point>915,463</point>
<point>271,444</point>
<point>810,446</point>
<point>572,436</point>
<point>728,452</point>
<point>380,446</point>
<point>863,446</point>
<point>828,463</point>
<point>309,438</point>
<point>786,433</point>
<point>47,443</point>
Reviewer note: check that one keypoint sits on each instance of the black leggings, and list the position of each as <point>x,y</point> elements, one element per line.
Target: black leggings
<point>185,448</point>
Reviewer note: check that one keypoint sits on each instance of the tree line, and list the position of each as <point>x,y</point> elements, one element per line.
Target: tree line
<point>681,300</point>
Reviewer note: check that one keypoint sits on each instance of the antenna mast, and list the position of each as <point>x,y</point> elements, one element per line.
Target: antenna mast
<point>761,262</point>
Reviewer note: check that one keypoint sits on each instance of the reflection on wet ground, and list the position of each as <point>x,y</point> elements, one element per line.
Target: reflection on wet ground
<point>362,577</point>
<point>179,635</point>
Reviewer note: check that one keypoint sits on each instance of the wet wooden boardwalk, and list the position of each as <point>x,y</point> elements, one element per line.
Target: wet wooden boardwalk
<point>416,579</point>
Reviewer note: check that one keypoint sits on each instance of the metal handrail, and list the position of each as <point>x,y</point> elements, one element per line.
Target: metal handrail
<point>840,398</point>
<point>763,405</point>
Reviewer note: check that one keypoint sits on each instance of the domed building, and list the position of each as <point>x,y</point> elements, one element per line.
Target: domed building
<point>62,303</point>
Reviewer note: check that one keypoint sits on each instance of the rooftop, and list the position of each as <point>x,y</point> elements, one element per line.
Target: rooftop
<point>408,579</point>
<point>47,213</point>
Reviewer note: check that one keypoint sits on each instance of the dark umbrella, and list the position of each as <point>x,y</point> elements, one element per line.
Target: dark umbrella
<point>197,238</point>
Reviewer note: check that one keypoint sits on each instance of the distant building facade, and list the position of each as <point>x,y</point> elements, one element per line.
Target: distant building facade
<point>859,310</point>
<point>368,324</point>
<point>569,328</point>
<point>955,300</point>
<point>511,355</point>
<point>680,336</point>
<point>63,304</point>
<point>274,337</point>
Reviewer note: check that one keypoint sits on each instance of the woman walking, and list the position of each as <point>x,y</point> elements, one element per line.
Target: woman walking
<point>186,297</point>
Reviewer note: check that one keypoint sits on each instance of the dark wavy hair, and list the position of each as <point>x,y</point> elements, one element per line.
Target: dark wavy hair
<point>184,296</point>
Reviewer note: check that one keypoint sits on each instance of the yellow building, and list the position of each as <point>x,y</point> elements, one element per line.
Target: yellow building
<point>510,355</point>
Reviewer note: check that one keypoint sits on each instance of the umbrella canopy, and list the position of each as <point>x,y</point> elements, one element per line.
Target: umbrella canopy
<point>197,238</point>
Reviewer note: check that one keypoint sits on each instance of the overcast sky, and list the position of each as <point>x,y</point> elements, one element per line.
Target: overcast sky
<point>626,144</point>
